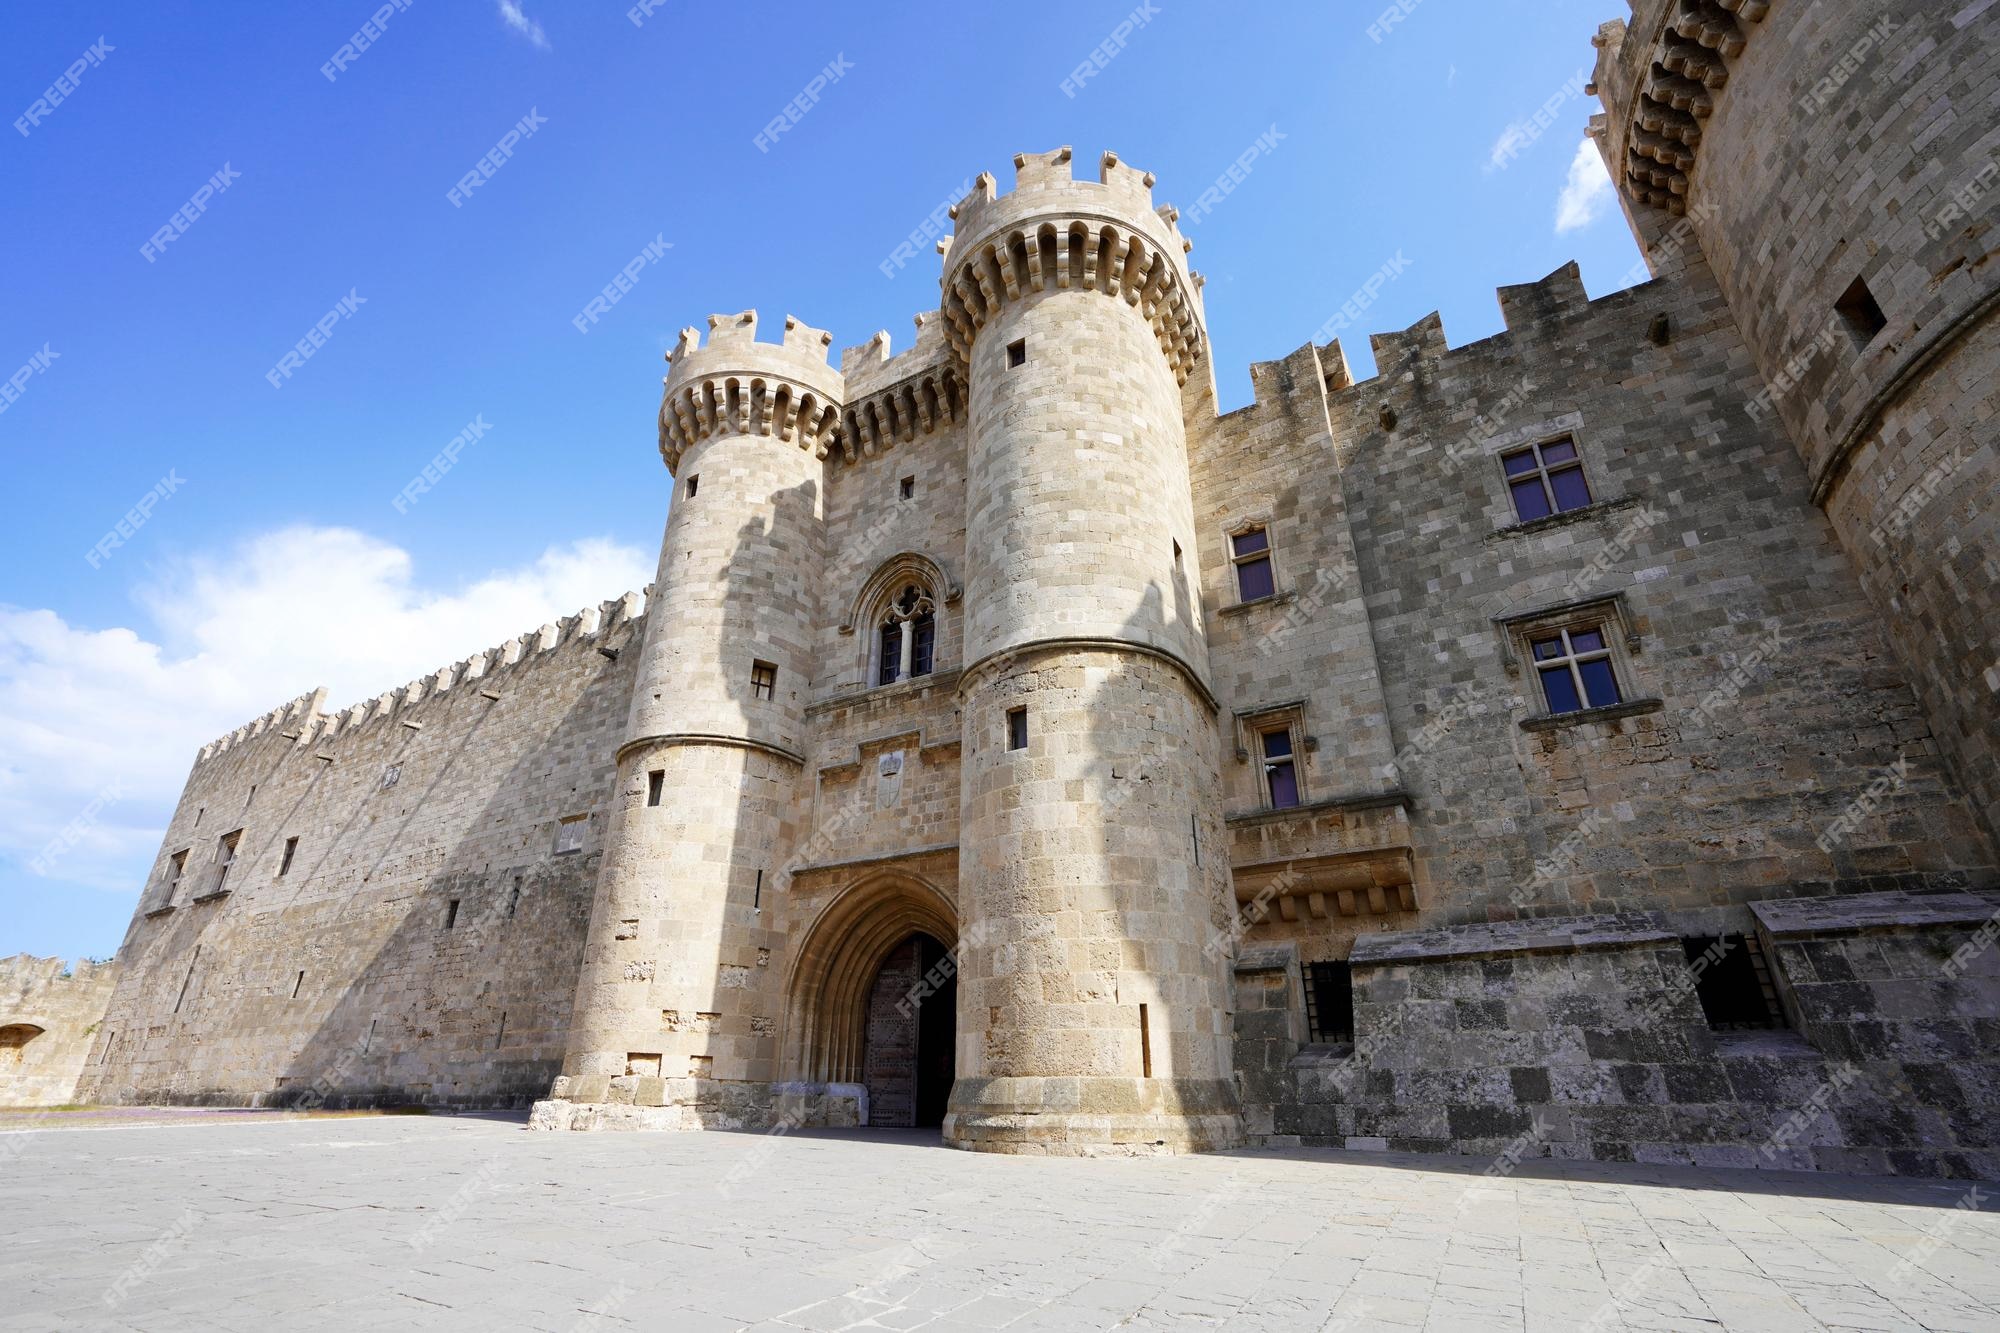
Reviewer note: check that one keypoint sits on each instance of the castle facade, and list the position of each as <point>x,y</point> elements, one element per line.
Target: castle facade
<point>1581,742</point>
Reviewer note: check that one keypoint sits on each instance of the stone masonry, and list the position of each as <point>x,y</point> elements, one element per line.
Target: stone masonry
<point>1286,775</point>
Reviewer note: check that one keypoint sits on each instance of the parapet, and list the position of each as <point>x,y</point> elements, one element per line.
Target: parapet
<point>1055,232</point>
<point>302,722</point>
<point>737,385</point>
<point>899,397</point>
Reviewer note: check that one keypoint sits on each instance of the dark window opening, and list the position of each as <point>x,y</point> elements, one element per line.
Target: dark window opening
<point>296,984</point>
<point>515,901</point>
<point>656,785</point>
<point>451,914</point>
<point>1575,669</point>
<point>907,487</point>
<point>694,484</point>
<point>757,892</point>
<point>225,856</point>
<point>1545,479</point>
<point>1329,1002</point>
<point>906,645</point>
<point>1733,983</point>
<point>1145,1045</point>
<point>1251,552</point>
<point>763,679</point>
<point>1017,728</point>
<point>1017,352</point>
<point>285,862</point>
<point>1861,313</point>
<point>1281,774</point>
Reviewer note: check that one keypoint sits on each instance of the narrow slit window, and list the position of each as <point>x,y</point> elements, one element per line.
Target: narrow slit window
<point>1017,728</point>
<point>1251,553</point>
<point>906,488</point>
<point>1330,1001</point>
<point>1017,352</point>
<point>514,902</point>
<point>285,862</point>
<point>1281,773</point>
<point>693,485</point>
<point>1575,669</point>
<point>1545,479</point>
<point>176,864</point>
<point>656,785</point>
<point>1145,1044</point>
<point>296,984</point>
<point>451,914</point>
<point>569,834</point>
<point>1861,313</point>
<point>225,856</point>
<point>763,679</point>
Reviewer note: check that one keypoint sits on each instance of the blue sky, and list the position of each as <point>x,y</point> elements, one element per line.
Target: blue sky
<point>274,557</point>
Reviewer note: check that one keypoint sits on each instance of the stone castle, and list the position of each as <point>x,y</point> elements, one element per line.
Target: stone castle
<point>1581,742</point>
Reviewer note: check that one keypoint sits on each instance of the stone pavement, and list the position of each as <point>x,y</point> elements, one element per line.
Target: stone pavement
<point>461,1222</point>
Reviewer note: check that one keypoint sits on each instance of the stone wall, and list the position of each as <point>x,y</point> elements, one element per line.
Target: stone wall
<point>420,940</point>
<point>1584,1038</point>
<point>49,1016</point>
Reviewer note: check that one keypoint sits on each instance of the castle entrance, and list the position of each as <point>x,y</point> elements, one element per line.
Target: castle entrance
<point>912,1020</point>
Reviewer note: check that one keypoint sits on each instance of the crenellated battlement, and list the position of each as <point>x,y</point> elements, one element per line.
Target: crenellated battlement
<point>1057,233</point>
<point>901,397</point>
<point>303,722</point>
<point>737,385</point>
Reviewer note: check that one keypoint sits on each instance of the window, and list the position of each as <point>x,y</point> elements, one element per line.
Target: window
<point>906,644</point>
<point>1860,312</point>
<point>907,487</point>
<point>285,863</point>
<point>225,856</point>
<point>451,914</point>
<point>1575,667</point>
<point>175,865</point>
<point>694,484</point>
<point>14,1039</point>
<point>1017,352</point>
<point>569,834</point>
<point>656,782</point>
<point>763,679</point>
<point>1251,552</point>
<point>1017,728</point>
<point>1733,982</point>
<point>1329,1002</point>
<point>1545,479</point>
<point>1281,774</point>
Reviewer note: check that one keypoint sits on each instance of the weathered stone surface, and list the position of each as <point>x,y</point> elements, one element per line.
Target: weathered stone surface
<point>49,1016</point>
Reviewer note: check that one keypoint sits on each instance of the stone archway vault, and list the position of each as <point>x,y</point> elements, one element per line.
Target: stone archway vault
<point>826,997</point>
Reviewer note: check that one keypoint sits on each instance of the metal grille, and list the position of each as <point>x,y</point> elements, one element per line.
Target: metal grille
<point>1329,1002</point>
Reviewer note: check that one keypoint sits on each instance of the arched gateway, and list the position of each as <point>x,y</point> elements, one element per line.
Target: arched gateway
<point>871,1002</point>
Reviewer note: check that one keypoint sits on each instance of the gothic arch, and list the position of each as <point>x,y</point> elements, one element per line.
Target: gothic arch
<point>905,569</point>
<point>826,995</point>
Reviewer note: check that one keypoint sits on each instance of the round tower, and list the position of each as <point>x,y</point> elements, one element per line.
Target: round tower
<point>1093,869</point>
<point>1835,163</point>
<point>676,1006</point>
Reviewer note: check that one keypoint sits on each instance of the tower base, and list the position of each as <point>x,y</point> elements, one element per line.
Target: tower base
<point>1092,1117</point>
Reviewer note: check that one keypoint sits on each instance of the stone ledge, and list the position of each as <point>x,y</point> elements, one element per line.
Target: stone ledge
<point>159,911</point>
<point>1278,598</point>
<point>1850,914</point>
<point>215,897</point>
<point>1499,939</point>
<point>1268,957</point>
<point>1609,713</point>
<point>1596,509</point>
<point>1378,800</point>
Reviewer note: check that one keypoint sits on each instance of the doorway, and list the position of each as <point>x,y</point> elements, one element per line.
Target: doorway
<point>912,1024</point>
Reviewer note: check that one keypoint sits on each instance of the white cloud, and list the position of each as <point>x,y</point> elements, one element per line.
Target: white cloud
<point>1587,193</point>
<point>91,712</point>
<point>510,13</point>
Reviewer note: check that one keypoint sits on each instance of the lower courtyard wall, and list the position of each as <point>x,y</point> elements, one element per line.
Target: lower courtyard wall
<point>1584,1038</point>
<point>49,1015</point>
